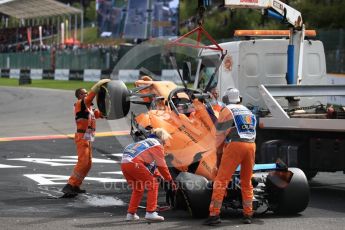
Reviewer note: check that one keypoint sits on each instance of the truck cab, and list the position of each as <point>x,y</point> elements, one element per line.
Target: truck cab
<point>249,63</point>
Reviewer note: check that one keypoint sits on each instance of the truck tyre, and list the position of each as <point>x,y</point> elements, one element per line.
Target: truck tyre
<point>292,199</point>
<point>112,100</point>
<point>196,192</point>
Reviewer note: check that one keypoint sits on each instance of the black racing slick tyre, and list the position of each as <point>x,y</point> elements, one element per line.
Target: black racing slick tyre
<point>196,194</point>
<point>293,198</point>
<point>113,101</point>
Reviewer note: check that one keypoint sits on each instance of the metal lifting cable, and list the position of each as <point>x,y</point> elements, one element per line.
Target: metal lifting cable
<point>208,86</point>
<point>199,31</point>
<point>173,62</point>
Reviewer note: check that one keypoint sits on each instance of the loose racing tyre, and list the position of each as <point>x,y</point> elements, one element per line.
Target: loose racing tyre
<point>293,198</point>
<point>112,100</point>
<point>196,193</point>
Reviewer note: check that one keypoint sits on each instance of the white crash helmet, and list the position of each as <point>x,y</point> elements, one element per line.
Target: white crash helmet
<point>231,96</point>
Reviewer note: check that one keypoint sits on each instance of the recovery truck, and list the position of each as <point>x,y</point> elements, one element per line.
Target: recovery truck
<point>295,128</point>
<point>284,82</point>
<point>295,122</point>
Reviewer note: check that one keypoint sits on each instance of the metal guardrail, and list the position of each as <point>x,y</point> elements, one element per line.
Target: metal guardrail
<point>305,90</point>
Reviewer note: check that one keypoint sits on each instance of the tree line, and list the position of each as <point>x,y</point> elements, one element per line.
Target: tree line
<point>221,22</point>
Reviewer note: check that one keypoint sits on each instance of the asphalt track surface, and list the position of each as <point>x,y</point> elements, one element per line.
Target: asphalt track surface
<point>36,166</point>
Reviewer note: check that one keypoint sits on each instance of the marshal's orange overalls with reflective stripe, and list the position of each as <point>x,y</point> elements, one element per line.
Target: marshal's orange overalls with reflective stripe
<point>236,136</point>
<point>138,165</point>
<point>85,117</point>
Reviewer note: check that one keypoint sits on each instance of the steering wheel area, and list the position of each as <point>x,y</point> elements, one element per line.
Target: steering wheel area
<point>182,104</point>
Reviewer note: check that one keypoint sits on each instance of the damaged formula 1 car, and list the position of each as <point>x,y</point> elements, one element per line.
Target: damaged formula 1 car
<point>188,116</point>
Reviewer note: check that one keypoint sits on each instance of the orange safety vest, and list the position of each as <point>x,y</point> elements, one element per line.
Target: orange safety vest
<point>85,118</point>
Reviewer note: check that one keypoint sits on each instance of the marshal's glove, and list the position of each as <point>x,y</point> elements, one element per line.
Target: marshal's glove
<point>172,186</point>
<point>96,87</point>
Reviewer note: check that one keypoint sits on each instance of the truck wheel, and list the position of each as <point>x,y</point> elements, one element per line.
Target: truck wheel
<point>196,194</point>
<point>112,100</point>
<point>293,198</point>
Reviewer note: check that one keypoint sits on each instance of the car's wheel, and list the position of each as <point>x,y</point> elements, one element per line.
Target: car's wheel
<point>180,201</point>
<point>112,100</point>
<point>292,198</point>
<point>310,174</point>
<point>195,193</point>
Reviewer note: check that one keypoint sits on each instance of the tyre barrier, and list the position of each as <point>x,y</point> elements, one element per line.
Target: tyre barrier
<point>57,74</point>
<point>93,75</point>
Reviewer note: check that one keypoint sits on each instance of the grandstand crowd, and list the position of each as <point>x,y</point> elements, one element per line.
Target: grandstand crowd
<point>16,39</point>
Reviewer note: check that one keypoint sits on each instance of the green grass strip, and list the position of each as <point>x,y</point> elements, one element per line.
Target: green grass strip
<point>53,84</point>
